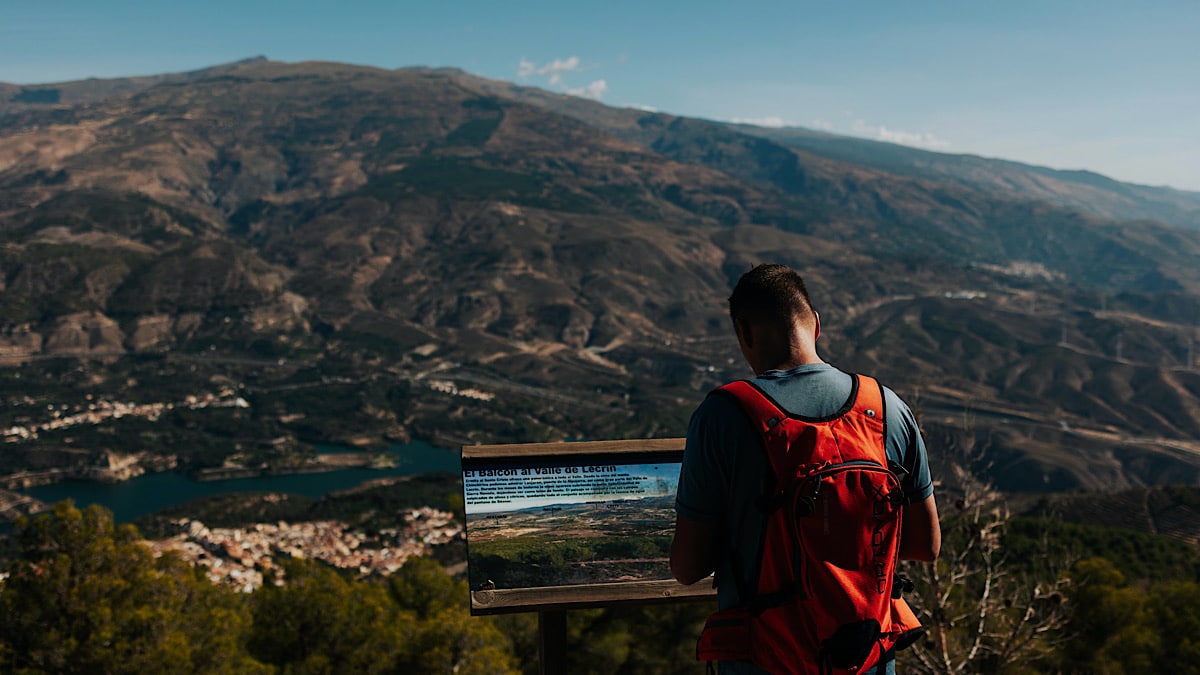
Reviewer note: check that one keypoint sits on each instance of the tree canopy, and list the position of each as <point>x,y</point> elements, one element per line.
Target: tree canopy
<point>83,595</point>
<point>86,596</point>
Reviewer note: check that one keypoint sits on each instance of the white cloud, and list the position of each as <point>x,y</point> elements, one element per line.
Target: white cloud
<point>594,91</point>
<point>821,125</point>
<point>526,68</point>
<point>772,122</point>
<point>921,139</point>
<point>555,71</point>
<point>557,67</point>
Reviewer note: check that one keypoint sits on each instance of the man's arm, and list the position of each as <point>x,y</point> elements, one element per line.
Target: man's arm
<point>694,550</point>
<point>920,532</point>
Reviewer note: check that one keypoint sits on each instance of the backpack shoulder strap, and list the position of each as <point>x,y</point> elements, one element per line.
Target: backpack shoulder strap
<point>765,417</point>
<point>761,410</point>
<point>869,408</point>
<point>870,397</point>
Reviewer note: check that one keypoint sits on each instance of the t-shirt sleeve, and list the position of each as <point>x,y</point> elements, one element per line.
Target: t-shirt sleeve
<point>705,475</point>
<point>906,447</point>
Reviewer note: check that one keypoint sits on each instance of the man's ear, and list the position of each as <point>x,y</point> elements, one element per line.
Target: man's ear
<point>817,330</point>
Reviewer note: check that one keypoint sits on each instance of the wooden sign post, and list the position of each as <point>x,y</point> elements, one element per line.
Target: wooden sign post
<point>557,526</point>
<point>552,642</point>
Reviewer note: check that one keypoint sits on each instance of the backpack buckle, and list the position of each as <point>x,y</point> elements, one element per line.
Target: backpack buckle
<point>902,585</point>
<point>806,504</point>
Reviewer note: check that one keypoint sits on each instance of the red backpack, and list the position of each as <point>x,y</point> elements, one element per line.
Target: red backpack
<point>825,598</point>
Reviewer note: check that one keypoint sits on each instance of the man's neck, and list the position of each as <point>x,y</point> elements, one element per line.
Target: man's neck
<point>793,361</point>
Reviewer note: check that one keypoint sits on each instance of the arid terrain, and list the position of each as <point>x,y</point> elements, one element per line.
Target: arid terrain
<point>365,255</point>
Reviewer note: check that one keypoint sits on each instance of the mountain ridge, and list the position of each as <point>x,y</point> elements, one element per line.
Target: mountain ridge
<point>367,233</point>
<point>91,89</point>
<point>1171,205</point>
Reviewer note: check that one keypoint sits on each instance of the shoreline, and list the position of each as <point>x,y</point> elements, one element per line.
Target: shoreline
<point>118,468</point>
<point>153,491</point>
<point>14,504</point>
<point>23,480</point>
<point>324,462</point>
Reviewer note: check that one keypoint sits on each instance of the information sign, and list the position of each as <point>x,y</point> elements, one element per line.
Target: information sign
<point>558,525</point>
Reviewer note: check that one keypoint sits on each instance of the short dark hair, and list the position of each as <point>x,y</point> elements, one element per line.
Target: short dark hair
<point>770,294</point>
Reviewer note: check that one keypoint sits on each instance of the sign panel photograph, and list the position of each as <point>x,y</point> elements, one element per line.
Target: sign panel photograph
<point>553,525</point>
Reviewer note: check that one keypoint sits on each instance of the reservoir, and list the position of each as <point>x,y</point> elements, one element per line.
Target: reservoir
<point>146,494</point>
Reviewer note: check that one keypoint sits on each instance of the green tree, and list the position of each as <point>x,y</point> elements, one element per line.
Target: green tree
<point>1100,606</point>
<point>1174,612</point>
<point>622,640</point>
<point>320,622</point>
<point>447,639</point>
<point>1120,628</point>
<point>635,639</point>
<point>85,596</point>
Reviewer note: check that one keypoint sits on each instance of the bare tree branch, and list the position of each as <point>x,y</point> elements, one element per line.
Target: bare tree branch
<point>980,613</point>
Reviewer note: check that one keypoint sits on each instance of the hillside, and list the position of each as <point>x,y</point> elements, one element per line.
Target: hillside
<point>16,98</point>
<point>1171,511</point>
<point>1078,190</point>
<point>364,255</point>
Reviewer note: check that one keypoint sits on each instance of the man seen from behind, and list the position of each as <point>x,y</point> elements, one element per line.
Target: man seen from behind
<point>727,477</point>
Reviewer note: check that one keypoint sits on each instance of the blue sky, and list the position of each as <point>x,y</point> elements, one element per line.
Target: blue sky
<point>1112,87</point>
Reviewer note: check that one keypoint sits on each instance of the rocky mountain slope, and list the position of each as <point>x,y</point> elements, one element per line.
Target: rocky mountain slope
<point>1079,190</point>
<point>368,254</point>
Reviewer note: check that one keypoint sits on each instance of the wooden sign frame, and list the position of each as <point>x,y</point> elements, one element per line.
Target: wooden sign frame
<point>523,473</point>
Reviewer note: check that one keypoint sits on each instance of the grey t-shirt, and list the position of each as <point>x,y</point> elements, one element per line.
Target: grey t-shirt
<point>725,468</point>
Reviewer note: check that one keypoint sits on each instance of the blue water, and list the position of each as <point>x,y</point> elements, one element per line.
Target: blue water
<point>141,496</point>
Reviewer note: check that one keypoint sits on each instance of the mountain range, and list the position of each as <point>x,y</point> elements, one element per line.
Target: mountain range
<point>375,254</point>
